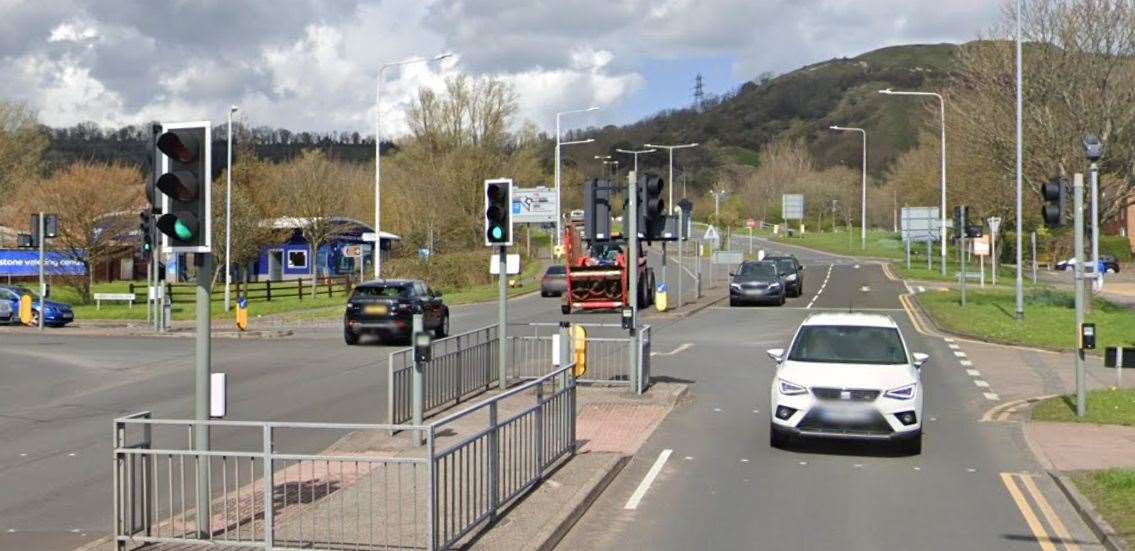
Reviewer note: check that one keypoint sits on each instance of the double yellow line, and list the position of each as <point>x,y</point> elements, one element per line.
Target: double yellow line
<point>1022,498</point>
<point>915,317</point>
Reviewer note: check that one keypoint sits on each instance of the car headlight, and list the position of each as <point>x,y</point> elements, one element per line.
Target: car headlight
<point>734,285</point>
<point>790,389</point>
<point>791,277</point>
<point>773,285</point>
<point>901,393</point>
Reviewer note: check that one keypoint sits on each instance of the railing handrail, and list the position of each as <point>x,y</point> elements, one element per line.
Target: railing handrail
<point>507,394</point>
<point>134,420</point>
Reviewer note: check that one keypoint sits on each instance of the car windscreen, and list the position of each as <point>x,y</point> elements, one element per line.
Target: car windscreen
<point>848,344</point>
<point>383,291</point>
<point>555,270</point>
<point>757,270</point>
<point>785,265</point>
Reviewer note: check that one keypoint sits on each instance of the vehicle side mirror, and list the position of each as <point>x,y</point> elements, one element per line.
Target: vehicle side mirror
<point>731,274</point>
<point>777,354</point>
<point>920,358</point>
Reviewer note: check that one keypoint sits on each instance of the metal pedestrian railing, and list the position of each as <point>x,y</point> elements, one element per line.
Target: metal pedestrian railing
<point>255,493</point>
<point>532,345</point>
<point>461,366</point>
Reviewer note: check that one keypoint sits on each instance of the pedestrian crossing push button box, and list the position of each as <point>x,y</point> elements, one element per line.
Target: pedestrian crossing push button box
<point>1088,336</point>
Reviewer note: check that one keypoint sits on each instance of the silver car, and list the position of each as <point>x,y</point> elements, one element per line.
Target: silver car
<point>6,313</point>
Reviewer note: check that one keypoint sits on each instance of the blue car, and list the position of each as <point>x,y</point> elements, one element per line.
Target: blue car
<point>56,314</point>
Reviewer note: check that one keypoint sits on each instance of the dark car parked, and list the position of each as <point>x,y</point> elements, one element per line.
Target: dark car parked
<point>792,272</point>
<point>386,308</point>
<point>554,282</point>
<point>756,282</point>
<point>56,314</point>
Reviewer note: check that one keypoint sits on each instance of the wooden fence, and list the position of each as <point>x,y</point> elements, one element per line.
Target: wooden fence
<point>258,291</point>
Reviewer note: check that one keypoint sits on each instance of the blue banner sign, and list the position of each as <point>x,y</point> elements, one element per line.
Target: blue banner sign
<point>25,263</point>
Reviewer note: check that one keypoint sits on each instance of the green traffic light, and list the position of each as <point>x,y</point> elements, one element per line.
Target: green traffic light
<point>497,232</point>
<point>183,232</point>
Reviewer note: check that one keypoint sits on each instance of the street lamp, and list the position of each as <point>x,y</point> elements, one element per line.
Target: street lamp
<point>378,152</point>
<point>863,200</point>
<point>636,154</point>
<point>670,149</point>
<point>1019,281</point>
<point>228,208</point>
<point>717,195</point>
<point>615,169</point>
<point>942,111</point>
<point>559,231</point>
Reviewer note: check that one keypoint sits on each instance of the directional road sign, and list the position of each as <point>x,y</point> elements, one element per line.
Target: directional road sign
<point>534,205</point>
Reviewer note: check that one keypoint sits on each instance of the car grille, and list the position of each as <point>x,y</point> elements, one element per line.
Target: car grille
<point>856,394</point>
<point>875,425</point>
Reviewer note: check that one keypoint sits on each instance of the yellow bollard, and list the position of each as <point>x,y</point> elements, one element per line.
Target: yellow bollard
<point>242,313</point>
<point>660,301</point>
<point>579,345</point>
<point>26,309</point>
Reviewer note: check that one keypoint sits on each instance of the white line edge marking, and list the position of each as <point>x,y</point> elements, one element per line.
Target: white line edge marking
<point>981,383</point>
<point>647,480</point>
<point>992,396</point>
<point>973,373</point>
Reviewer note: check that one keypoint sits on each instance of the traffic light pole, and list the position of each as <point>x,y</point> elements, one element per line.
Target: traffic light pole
<point>502,317</point>
<point>201,403</point>
<point>631,218</point>
<point>42,286</point>
<point>962,249</point>
<point>1078,255</point>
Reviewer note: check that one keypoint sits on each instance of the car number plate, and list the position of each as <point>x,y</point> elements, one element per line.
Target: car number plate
<point>845,414</point>
<point>375,309</point>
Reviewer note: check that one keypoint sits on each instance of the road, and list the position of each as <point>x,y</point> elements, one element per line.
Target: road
<point>723,487</point>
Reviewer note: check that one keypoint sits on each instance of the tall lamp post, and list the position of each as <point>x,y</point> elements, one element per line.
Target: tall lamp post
<point>1020,291</point>
<point>636,153</point>
<point>229,209</point>
<point>378,152</point>
<point>863,199</point>
<point>603,162</point>
<point>559,217</point>
<point>942,112</point>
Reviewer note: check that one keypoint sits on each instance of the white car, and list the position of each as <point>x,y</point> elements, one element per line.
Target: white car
<point>847,375</point>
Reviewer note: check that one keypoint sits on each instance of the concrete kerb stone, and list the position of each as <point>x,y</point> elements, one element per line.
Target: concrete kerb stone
<point>572,510</point>
<point>1102,529</point>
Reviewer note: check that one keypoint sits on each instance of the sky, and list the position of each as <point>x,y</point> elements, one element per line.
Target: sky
<point>314,64</point>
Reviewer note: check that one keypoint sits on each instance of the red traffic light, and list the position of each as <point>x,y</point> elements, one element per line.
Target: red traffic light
<point>180,146</point>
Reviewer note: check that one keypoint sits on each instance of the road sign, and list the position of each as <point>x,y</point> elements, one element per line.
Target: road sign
<point>711,234</point>
<point>751,224</point>
<point>353,251</point>
<point>994,223</point>
<point>512,261</point>
<point>981,246</point>
<point>534,205</point>
<point>920,223</point>
<point>792,206</point>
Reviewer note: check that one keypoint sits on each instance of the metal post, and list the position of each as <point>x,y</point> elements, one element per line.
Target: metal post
<point>1095,172</point>
<point>378,172</point>
<point>962,243</point>
<point>149,285</point>
<point>494,462</point>
<point>42,283</point>
<point>863,201</point>
<point>632,274</point>
<point>1032,237</point>
<point>681,267</point>
<point>559,229</point>
<point>906,244</point>
<point>201,409</point>
<point>929,254</point>
<point>539,413</point>
<point>418,383</point>
<point>229,210</point>
<point>502,318</point>
<point>993,255</point>
<point>1019,282</point>
<point>566,352</point>
<point>1078,254</point>
<point>750,241</point>
<point>269,514</point>
<point>942,230</point>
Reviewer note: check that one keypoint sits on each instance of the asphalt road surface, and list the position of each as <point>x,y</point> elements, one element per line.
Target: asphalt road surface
<point>720,485</point>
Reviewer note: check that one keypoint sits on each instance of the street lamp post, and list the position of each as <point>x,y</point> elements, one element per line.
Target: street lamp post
<point>559,216</point>
<point>229,209</point>
<point>378,152</point>
<point>942,112</point>
<point>636,153</point>
<point>863,199</point>
<point>1020,282</point>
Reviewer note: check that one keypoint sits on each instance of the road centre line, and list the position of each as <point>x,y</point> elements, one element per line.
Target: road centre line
<point>647,480</point>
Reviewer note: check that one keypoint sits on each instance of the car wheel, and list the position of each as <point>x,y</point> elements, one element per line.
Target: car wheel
<point>543,294</point>
<point>35,319</point>
<point>565,309</point>
<point>733,302</point>
<point>350,337</point>
<point>443,328</point>
<point>776,438</point>
<point>782,300</point>
<point>913,446</point>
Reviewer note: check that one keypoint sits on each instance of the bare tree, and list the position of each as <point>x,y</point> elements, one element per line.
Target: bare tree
<point>22,145</point>
<point>309,191</point>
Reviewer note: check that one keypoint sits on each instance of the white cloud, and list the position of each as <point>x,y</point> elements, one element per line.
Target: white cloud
<point>72,32</point>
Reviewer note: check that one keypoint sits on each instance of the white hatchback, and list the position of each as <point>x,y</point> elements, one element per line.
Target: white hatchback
<point>847,376</point>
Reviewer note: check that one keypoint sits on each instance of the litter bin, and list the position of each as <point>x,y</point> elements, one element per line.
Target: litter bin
<point>660,297</point>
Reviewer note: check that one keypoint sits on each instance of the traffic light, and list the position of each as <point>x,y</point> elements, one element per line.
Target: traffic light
<point>651,219</point>
<point>146,228</point>
<point>1052,192</point>
<point>960,213</point>
<point>498,212</point>
<point>597,209</point>
<point>185,180</point>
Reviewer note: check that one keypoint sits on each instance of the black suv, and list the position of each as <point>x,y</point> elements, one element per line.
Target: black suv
<point>792,272</point>
<point>386,308</point>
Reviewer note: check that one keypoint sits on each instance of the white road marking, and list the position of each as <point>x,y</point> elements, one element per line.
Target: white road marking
<point>948,339</point>
<point>717,410</point>
<point>918,468</point>
<point>921,289</point>
<point>682,348</point>
<point>823,286</point>
<point>981,383</point>
<point>965,363</point>
<point>688,458</point>
<point>856,266</point>
<point>959,353</point>
<point>992,396</point>
<point>973,373</point>
<point>864,289</point>
<point>743,460</point>
<point>971,470</point>
<point>803,463</point>
<point>643,486</point>
<point>953,346</point>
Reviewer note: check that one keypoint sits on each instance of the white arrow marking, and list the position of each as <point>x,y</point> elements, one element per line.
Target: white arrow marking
<point>682,348</point>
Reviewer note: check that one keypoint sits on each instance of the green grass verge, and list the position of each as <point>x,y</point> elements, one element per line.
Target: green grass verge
<point>1048,323</point>
<point>289,308</point>
<point>1113,494</point>
<point>879,243</point>
<point>1105,407</point>
<point>1006,275</point>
